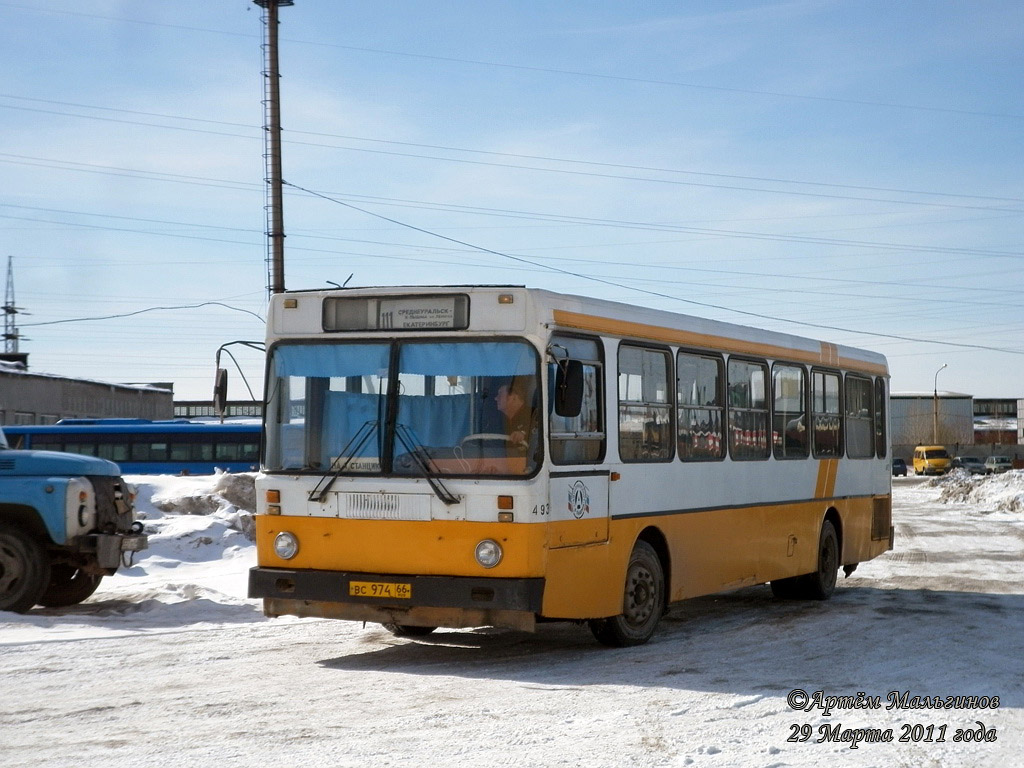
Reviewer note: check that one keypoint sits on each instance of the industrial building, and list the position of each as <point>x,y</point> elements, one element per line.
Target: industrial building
<point>42,398</point>
<point>982,427</point>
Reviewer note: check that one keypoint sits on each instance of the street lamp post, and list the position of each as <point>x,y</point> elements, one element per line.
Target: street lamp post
<point>935,407</point>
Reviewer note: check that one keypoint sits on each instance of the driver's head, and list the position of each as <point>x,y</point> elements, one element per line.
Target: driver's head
<point>508,399</point>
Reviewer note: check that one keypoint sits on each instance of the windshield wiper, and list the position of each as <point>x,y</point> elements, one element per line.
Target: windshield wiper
<point>422,460</point>
<point>345,458</point>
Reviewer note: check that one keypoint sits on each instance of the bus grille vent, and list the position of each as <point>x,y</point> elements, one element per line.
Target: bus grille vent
<point>385,506</point>
<point>7,464</point>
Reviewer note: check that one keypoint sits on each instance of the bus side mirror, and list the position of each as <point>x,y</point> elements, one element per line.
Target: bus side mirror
<point>220,392</point>
<point>568,388</point>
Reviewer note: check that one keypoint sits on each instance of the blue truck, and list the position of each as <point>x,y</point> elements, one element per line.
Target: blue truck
<point>66,521</point>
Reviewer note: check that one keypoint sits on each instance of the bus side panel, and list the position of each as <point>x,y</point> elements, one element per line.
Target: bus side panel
<point>711,551</point>
<point>860,539</point>
<point>583,582</point>
<point>792,532</point>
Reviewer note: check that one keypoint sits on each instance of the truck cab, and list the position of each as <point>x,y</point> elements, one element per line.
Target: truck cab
<point>66,521</point>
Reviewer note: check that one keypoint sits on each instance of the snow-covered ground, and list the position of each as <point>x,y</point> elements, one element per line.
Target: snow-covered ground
<point>169,664</point>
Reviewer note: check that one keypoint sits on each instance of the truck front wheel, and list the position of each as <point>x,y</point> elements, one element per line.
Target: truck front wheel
<point>68,586</point>
<point>24,570</point>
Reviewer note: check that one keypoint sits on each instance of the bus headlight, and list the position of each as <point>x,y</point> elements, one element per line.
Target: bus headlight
<point>286,546</point>
<point>488,553</point>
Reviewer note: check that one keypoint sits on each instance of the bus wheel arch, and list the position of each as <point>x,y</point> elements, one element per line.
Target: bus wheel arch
<point>645,594</point>
<point>832,516</point>
<point>820,583</point>
<point>656,539</point>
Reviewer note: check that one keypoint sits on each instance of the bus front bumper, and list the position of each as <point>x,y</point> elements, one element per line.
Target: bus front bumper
<point>432,601</point>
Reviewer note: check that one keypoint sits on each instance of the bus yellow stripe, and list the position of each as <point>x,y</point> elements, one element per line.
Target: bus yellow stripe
<point>828,471</point>
<point>819,486</point>
<point>833,474</point>
<point>828,354</point>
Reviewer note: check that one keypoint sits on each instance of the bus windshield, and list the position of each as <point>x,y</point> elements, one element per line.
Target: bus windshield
<point>405,407</point>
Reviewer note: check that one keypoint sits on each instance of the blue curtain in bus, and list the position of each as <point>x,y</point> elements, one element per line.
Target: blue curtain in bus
<point>344,414</point>
<point>442,420</point>
<point>326,360</point>
<point>469,359</point>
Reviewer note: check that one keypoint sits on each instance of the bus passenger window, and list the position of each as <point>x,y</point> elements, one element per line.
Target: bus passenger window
<point>748,410</point>
<point>827,418</point>
<point>859,418</point>
<point>578,439</point>
<point>113,451</point>
<point>880,416</point>
<point>83,448</point>
<point>645,408</point>
<point>146,451</point>
<point>789,415</point>
<point>226,452</point>
<point>699,402</point>
<point>180,451</point>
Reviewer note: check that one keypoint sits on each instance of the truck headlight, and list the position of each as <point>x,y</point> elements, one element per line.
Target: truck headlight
<point>286,546</point>
<point>488,553</point>
<point>79,506</point>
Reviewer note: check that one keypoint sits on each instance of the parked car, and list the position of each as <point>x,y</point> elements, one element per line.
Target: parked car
<point>931,460</point>
<point>997,464</point>
<point>972,464</point>
<point>899,468</point>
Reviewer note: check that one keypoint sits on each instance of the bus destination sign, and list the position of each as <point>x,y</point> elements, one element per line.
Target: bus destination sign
<point>429,312</point>
<point>418,313</point>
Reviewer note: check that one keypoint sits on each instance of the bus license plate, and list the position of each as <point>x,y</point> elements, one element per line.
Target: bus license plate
<point>380,589</point>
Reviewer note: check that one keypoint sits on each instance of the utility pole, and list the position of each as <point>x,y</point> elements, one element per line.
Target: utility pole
<point>11,335</point>
<point>10,329</point>
<point>935,407</point>
<point>272,147</point>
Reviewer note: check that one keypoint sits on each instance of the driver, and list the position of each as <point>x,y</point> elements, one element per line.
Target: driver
<point>518,417</point>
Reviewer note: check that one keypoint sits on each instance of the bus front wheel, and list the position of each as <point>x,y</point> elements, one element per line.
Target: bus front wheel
<point>643,602</point>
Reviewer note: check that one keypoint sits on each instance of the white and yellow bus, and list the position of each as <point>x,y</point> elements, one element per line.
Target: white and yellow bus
<point>474,456</point>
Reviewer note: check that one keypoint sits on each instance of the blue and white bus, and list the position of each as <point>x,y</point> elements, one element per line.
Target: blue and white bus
<point>144,447</point>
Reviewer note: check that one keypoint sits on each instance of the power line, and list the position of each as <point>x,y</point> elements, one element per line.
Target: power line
<point>694,302</point>
<point>735,234</point>
<point>546,158</point>
<point>549,70</point>
<point>148,309</point>
<point>565,171</point>
<point>607,263</point>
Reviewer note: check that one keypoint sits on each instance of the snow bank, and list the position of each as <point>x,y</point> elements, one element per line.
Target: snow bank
<point>226,497</point>
<point>987,493</point>
<point>201,536</point>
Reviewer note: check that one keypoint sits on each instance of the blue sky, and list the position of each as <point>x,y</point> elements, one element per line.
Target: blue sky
<point>845,171</point>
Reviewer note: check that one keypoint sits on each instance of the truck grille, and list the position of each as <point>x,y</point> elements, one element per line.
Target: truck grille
<point>113,504</point>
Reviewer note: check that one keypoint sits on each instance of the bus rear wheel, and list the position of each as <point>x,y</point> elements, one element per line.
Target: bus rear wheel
<point>24,570</point>
<point>407,630</point>
<point>643,602</point>
<point>68,586</point>
<point>819,584</point>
